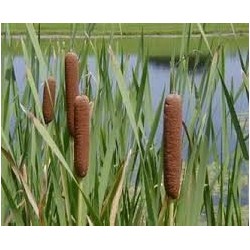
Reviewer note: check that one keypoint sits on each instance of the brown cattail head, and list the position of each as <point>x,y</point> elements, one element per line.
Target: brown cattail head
<point>49,99</point>
<point>172,144</point>
<point>71,80</point>
<point>81,135</point>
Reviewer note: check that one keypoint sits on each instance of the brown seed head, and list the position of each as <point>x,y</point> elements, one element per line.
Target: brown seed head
<point>71,80</point>
<point>49,99</point>
<point>172,144</point>
<point>81,137</point>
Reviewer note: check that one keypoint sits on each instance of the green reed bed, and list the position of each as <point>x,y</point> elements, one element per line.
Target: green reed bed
<point>124,182</point>
<point>124,28</point>
<point>159,47</point>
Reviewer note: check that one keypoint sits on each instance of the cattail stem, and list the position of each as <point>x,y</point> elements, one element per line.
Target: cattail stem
<point>172,144</point>
<point>81,206</point>
<point>65,190</point>
<point>163,212</point>
<point>49,99</point>
<point>171,212</point>
<point>72,90</point>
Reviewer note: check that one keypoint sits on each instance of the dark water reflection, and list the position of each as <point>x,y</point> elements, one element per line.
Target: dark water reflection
<point>198,63</point>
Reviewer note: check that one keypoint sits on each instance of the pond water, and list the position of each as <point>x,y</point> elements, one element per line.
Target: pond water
<point>159,78</point>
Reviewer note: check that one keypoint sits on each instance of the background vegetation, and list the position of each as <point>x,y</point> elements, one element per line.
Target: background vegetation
<point>124,182</point>
<point>127,28</point>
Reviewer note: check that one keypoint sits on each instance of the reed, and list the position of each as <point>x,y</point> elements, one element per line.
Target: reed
<point>49,99</point>
<point>71,81</point>
<point>172,144</point>
<point>125,168</point>
<point>81,138</point>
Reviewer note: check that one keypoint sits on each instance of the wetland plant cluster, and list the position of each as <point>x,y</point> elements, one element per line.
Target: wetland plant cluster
<point>129,178</point>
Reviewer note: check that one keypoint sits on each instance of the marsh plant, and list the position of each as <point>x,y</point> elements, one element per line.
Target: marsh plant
<point>101,164</point>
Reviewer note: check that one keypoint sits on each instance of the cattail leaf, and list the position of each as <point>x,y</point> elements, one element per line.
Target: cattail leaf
<point>150,204</point>
<point>7,145</point>
<point>32,85</point>
<point>235,119</point>
<point>21,179</point>
<point>125,96</point>
<point>155,123</point>
<point>43,132</point>
<point>107,164</point>
<point>46,136</point>
<point>138,217</point>
<point>115,202</point>
<point>37,48</point>
<point>6,106</point>
<point>95,218</point>
<point>59,201</point>
<point>112,192</point>
<point>141,90</point>
<point>89,221</point>
<point>30,196</point>
<point>200,181</point>
<point>208,203</point>
<point>204,38</point>
<point>246,83</point>
<point>16,213</point>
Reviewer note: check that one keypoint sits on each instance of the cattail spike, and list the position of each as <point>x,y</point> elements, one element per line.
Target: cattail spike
<point>81,137</point>
<point>172,144</point>
<point>72,90</point>
<point>49,99</point>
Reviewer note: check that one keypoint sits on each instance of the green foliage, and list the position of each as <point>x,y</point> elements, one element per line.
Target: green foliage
<point>124,184</point>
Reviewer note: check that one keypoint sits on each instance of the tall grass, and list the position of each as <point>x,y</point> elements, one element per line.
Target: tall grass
<point>124,184</point>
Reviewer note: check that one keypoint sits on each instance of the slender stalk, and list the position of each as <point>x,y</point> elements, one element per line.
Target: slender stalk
<point>171,212</point>
<point>65,183</point>
<point>163,212</point>
<point>66,194</point>
<point>81,203</point>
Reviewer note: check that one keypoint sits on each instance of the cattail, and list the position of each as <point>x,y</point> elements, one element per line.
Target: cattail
<point>172,144</point>
<point>49,99</point>
<point>71,80</point>
<point>81,135</point>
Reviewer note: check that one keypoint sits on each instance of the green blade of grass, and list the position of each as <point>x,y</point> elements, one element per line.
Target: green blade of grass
<point>204,38</point>
<point>235,119</point>
<point>141,89</point>
<point>115,202</point>
<point>30,196</point>
<point>150,205</point>
<point>155,123</point>
<point>37,48</point>
<point>32,84</point>
<point>125,96</point>
<point>21,179</point>
<point>16,213</point>
<point>112,192</point>
<point>58,200</point>
<point>59,155</point>
<point>47,138</point>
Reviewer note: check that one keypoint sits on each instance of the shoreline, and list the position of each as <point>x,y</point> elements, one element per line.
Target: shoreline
<point>126,36</point>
